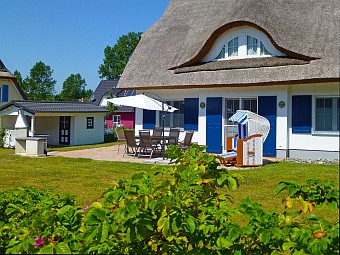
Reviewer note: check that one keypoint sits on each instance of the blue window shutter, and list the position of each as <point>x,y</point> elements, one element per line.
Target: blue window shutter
<point>149,119</point>
<point>302,114</point>
<point>191,113</point>
<point>4,93</point>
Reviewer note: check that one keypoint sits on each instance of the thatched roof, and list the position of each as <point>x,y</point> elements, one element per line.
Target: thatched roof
<point>169,53</point>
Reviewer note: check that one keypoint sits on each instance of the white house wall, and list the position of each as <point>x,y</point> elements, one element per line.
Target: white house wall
<point>287,144</point>
<point>89,136</point>
<point>313,145</point>
<point>48,125</point>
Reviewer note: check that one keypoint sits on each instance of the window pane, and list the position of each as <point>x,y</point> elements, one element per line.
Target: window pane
<point>251,45</point>
<point>232,106</point>
<point>326,117</point>
<point>250,105</point>
<point>222,54</point>
<point>263,50</point>
<point>233,47</point>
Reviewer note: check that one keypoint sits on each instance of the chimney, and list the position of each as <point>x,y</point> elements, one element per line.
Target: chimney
<point>21,126</point>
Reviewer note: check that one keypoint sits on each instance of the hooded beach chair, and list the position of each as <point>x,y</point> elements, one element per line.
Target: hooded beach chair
<point>246,148</point>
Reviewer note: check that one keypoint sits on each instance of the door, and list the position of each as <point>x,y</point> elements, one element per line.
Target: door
<point>267,109</point>
<point>64,130</point>
<point>214,124</point>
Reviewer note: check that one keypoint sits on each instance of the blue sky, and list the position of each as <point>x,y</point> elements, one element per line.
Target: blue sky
<point>69,35</point>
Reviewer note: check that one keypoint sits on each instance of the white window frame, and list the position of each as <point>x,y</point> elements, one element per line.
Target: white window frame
<point>334,116</point>
<point>241,33</point>
<point>116,123</point>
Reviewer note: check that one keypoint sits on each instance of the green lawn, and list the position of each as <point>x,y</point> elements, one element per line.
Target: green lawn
<point>88,178</point>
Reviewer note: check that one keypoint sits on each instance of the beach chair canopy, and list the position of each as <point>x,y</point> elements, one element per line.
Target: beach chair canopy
<point>250,123</point>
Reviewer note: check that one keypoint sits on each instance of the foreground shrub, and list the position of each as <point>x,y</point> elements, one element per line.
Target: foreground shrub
<point>184,212</point>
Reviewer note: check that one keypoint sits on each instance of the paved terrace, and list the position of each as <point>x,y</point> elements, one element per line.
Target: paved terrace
<point>110,153</point>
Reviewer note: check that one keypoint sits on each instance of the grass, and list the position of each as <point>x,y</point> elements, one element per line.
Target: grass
<point>88,178</point>
<point>81,147</point>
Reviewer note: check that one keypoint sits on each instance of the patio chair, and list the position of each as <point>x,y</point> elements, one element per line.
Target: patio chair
<point>173,136</point>
<point>146,146</point>
<point>186,143</point>
<point>120,137</point>
<point>158,132</point>
<point>246,148</point>
<point>131,143</point>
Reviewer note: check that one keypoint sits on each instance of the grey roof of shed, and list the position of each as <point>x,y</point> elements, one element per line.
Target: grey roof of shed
<point>6,74</point>
<point>54,107</point>
<point>169,52</point>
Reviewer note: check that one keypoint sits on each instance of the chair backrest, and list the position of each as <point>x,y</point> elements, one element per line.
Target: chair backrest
<point>188,138</point>
<point>174,132</point>
<point>157,131</point>
<point>130,137</point>
<point>145,138</point>
<point>120,135</point>
<point>174,135</point>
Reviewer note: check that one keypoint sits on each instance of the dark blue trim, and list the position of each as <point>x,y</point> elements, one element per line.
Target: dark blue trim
<point>149,119</point>
<point>302,114</point>
<point>5,93</point>
<point>191,108</point>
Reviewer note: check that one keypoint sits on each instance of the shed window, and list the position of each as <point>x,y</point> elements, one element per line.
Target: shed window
<point>90,122</point>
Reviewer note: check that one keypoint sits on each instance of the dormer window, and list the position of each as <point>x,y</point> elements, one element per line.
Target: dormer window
<point>240,43</point>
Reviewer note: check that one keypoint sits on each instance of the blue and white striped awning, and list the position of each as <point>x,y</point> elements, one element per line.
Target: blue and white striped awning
<point>239,117</point>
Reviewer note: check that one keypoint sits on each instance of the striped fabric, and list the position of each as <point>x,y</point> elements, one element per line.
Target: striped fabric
<point>242,119</point>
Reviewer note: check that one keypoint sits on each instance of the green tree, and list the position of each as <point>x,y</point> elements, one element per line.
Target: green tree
<point>40,84</point>
<point>17,74</point>
<point>74,89</point>
<point>110,106</point>
<point>116,57</point>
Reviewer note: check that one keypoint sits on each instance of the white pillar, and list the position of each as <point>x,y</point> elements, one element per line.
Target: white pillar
<point>32,125</point>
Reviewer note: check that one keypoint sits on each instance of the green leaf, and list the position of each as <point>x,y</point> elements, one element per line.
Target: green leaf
<point>234,233</point>
<point>62,211</point>
<point>221,179</point>
<point>46,250</point>
<point>191,224</point>
<point>232,183</point>
<point>282,186</point>
<point>161,222</point>
<point>265,236</point>
<point>62,248</point>
<point>103,232</point>
<point>132,208</point>
<point>9,210</point>
<point>100,214</point>
<point>287,246</point>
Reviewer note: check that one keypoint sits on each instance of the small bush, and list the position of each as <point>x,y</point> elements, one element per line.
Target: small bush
<point>184,213</point>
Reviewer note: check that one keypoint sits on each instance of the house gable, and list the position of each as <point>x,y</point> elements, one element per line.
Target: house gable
<point>9,88</point>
